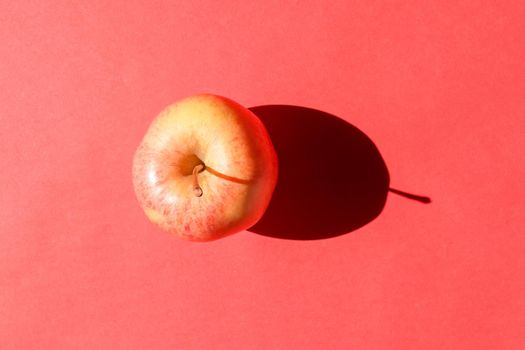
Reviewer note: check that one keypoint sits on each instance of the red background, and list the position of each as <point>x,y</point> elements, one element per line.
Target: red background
<point>437,85</point>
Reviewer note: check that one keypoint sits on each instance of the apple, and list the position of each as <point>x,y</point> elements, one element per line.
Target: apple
<point>206,168</point>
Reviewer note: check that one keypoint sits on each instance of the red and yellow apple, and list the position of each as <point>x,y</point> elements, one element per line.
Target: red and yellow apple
<point>206,168</point>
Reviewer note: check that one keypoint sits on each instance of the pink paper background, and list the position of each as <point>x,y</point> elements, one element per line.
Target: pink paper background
<point>439,86</point>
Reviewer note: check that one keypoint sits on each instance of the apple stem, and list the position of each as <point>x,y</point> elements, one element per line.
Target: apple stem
<point>197,190</point>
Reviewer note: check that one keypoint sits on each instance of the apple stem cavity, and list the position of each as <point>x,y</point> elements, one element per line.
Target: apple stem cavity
<point>197,190</point>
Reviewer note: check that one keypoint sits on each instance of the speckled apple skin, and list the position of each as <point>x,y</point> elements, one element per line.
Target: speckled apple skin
<point>240,175</point>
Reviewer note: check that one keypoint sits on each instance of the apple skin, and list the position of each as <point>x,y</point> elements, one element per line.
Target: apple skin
<point>239,176</point>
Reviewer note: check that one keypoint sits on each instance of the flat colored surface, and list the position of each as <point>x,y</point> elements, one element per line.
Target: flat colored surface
<point>439,86</point>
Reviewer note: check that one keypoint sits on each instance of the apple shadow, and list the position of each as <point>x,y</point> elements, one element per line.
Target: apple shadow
<point>332,178</point>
